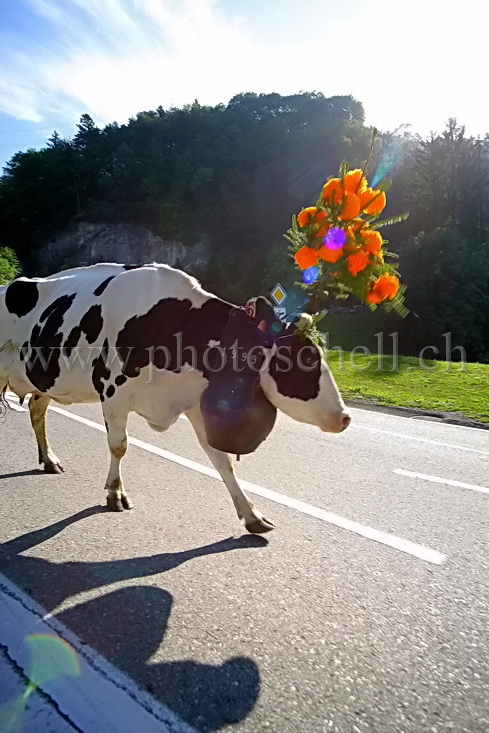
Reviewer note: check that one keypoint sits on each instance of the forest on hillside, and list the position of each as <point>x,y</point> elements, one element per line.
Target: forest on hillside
<point>232,176</point>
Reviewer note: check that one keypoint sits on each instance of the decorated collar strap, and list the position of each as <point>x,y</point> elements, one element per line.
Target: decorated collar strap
<point>250,308</point>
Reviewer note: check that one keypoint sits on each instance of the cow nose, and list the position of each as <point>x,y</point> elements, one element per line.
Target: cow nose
<point>345,421</point>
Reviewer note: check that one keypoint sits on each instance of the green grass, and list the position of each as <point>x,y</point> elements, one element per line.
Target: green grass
<point>431,385</point>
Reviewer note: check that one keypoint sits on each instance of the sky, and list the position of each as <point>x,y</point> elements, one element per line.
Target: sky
<point>410,62</point>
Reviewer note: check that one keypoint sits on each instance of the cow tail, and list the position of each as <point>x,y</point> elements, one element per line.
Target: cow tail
<point>4,405</point>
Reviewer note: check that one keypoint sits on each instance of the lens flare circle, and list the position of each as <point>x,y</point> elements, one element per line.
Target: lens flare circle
<point>310,275</point>
<point>335,238</point>
<point>51,657</point>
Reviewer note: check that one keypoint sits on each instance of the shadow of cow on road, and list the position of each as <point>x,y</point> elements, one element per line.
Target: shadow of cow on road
<point>128,625</point>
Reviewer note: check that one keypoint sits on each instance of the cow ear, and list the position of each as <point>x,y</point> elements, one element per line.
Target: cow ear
<point>265,318</point>
<point>264,311</point>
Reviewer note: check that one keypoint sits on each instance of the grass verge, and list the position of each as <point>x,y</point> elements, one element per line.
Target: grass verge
<point>406,381</point>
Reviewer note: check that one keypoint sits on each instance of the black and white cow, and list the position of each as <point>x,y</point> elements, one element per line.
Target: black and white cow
<point>121,335</point>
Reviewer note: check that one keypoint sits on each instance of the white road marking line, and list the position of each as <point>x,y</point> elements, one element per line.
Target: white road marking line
<point>418,439</point>
<point>438,480</point>
<point>385,538</point>
<point>100,699</point>
<point>13,401</point>
<point>15,406</point>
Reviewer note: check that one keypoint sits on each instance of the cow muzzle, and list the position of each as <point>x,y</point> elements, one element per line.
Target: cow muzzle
<point>337,424</point>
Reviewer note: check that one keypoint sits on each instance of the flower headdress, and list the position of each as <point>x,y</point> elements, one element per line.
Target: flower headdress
<point>337,245</point>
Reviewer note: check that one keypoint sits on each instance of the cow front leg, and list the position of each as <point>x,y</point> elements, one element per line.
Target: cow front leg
<point>38,405</point>
<point>254,521</point>
<point>116,424</point>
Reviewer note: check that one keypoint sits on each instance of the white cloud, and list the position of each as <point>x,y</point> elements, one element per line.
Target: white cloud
<point>418,62</point>
<point>117,57</point>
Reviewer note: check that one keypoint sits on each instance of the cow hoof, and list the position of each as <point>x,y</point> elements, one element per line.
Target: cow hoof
<point>126,502</point>
<point>114,504</point>
<point>53,468</point>
<point>259,526</point>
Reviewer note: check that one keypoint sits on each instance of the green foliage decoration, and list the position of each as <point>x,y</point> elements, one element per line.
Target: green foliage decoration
<point>307,327</point>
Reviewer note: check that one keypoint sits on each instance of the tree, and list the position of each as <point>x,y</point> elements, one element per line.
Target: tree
<point>9,265</point>
<point>447,291</point>
<point>232,175</point>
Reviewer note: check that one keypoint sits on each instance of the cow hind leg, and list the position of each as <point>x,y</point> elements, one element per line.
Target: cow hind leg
<point>38,405</point>
<point>254,521</point>
<point>116,424</point>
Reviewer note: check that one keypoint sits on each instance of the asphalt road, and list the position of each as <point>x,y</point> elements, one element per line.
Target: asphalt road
<point>365,610</point>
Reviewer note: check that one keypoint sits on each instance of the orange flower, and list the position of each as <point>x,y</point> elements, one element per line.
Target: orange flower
<point>351,243</point>
<point>330,255</point>
<point>333,189</point>
<point>306,257</point>
<point>305,216</point>
<point>351,207</point>
<point>357,224</point>
<point>373,241</point>
<point>372,201</point>
<point>386,286</point>
<point>324,226</point>
<point>354,181</point>
<point>357,261</point>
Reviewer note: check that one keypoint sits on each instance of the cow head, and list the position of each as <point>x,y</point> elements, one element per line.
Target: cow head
<point>296,378</point>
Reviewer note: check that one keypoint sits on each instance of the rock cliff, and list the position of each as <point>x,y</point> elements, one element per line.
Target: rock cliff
<point>87,243</point>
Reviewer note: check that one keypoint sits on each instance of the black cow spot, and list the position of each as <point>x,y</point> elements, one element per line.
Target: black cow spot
<point>21,297</point>
<point>120,379</point>
<point>101,370</point>
<point>72,340</point>
<point>296,368</point>
<point>171,334</point>
<point>110,391</point>
<point>100,289</point>
<point>52,308</point>
<point>91,325</point>
<point>45,344</point>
